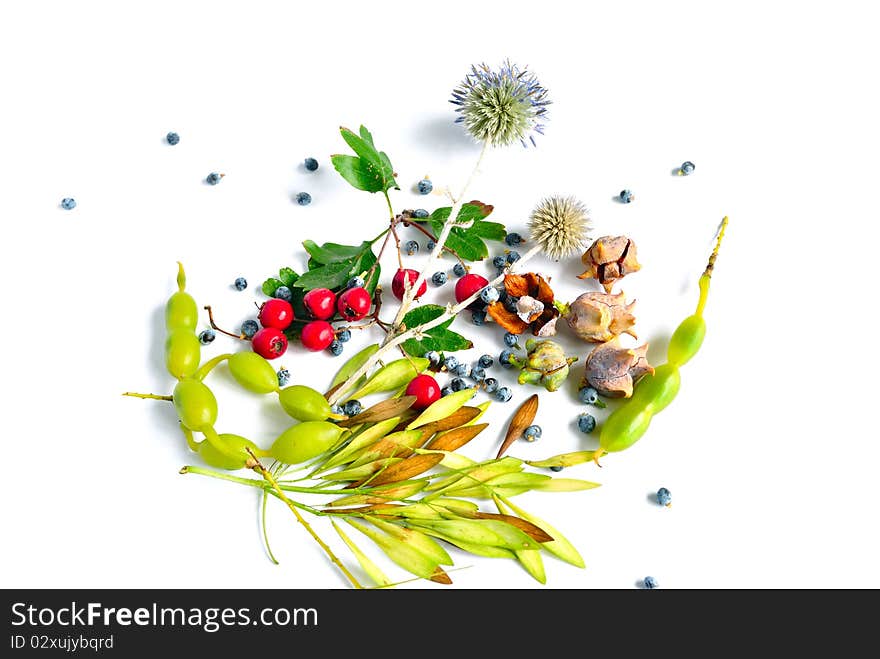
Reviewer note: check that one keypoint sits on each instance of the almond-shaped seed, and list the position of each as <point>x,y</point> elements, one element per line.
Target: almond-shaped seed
<point>482,407</point>
<point>381,411</point>
<point>362,472</point>
<point>397,444</point>
<point>353,364</point>
<point>383,494</point>
<point>565,459</point>
<point>415,539</point>
<point>442,408</point>
<point>405,556</point>
<point>535,532</point>
<point>477,473</point>
<point>454,439</point>
<point>456,505</point>
<point>361,441</point>
<point>521,420</point>
<point>565,485</point>
<point>392,376</point>
<point>489,551</point>
<point>406,469</point>
<point>533,563</point>
<point>461,417</point>
<point>481,532</point>
<point>367,565</point>
<point>559,546</point>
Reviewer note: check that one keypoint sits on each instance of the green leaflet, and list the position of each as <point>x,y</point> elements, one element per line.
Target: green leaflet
<point>468,242</point>
<point>442,408</point>
<point>366,564</point>
<point>354,363</point>
<point>439,338</point>
<point>409,558</point>
<point>370,170</point>
<point>559,546</point>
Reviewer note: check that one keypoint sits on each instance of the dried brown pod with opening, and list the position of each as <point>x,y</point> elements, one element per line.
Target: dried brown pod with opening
<point>612,369</point>
<point>608,259</point>
<point>599,317</point>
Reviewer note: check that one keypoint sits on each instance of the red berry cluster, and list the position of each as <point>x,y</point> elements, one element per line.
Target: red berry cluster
<point>275,316</point>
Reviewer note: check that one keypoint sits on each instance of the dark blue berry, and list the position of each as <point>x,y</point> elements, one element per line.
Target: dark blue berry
<point>425,186</point>
<point>430,245</point>
<point>207,336</point>
<point>556,468</point>
<point>499,262</point>
<point>172,138</point>
<point>411,247</point>
<point>284,293</point>
<point>505,358</point>
<point>450,363</point>
<point>458,270</point>
<point>478,374</point>
<point>513,257</point>
<point>486,361</point>
<point>214,178</point>
<point>504,394</point>
<point>664,497</point>
<point>513,239</point>
<point>489,294</point>
<point>355,282</point>
<point>420,213</point>
<point>352,407</point>
<point>68,203</point>
<point>649,583</point>
<point>249,328</point>
<point>457,384</point>
<point>303,198</point>
<point>510,340</point>
<point>532,433</point>
<point>491,385</point>
<point>687,167</point>
<point>283,377</point>
<point>438,278</point>
<point>510,303</point>
<point>336,409</point>
<point>478,317</point>
<point>335,348</point>
<point>588,395</point>
<point>445,391</point>
<point>240,284</point>
<point>311,164</point>
<point>461,370</point>
<point>343,335</point>
<point>586,423</point>
<point>625,196</point>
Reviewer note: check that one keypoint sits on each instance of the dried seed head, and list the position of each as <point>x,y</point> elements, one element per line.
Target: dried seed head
<point>612,370</point>
<point>608,259</point>
<point>599,317</point>
<point>560,226</point>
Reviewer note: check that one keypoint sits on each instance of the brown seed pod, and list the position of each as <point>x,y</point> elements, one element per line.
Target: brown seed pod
<point>599,317</point>
<point>608,259</point>
<point>521,420</point>
<point>612,370</point>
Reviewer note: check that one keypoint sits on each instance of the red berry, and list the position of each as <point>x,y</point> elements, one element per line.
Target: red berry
<point>354,303</point>
<point>269,343</point>
<point>425,389</point>
<point>317,335</point>
<point>320,302</point>
<point>468,285</point>
<point>276,313</point>
<point>405,275</point>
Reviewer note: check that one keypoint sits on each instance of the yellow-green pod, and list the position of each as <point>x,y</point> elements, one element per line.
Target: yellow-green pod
<point>392,376</point>
<point>182,353</point>
<point>686,340</point>
<point>234,444</point>
<point>624,426</point>
<point>195,404</point>
<point>305,441</point>
<point>253,372</point>
<point>180,310</point>
<point>304,403</point>
<point>658,390</point>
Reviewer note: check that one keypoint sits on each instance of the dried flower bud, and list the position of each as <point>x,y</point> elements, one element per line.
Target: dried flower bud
<point>608,259</point>
<point>612,370</point>
<point>599,317</point>
<point>545,365</point>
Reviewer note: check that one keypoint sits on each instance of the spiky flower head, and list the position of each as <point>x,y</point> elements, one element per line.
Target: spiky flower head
<point>501,106</point>
<point>560,226</point>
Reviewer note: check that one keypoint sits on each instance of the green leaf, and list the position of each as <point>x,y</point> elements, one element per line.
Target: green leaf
<point>468,246</point>
<point>489,230</point>
<point>365,562</point>
<point>358,173</point>
<point>422,314</point>
<point>271,285</point>
<point>439,338</point>
<point>333,253</point>
<point>370,170</point>
<point>331,276</point>
<point>467,242</point>
<point>288,277</point>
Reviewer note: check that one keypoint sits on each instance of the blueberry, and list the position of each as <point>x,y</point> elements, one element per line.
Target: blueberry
<point>420,213</point>
<point>486,361</point>
<point>513,239</point>
<point>438,278</point>
<point>284,293</point>
<point>430,245</point>
<point>303,198</point>
<point>586,423</point>
<point>206,337</point>
<point>355,282</point>
<point>335,348</point>
<point>491,385</point>
<point>588,395</point>
<point>505,358</point>
<point>458,270</point>
<point>311,164</point>
<point>68,203</point>
<point>352,407</point>
<point>240,284</point>
<point>172,138</point>
<point>214,178</point>
<point>249,328</point>
<point>513,257</point>
<point>343,336</point>
<point>489,294</point>
<point>510,303</point>
<point>649,583</point>
<point>478,317</point>
<point>687,167</point>
<point>504,394</point>
<point>283,377</point>
<point>445,391</point>
<point>478,374</point>
<point>510,339</point>
<point>425,186</point>
<point>625,196</point>
<point>532,433</point>
<point>411,247</point>
<point>461,370</point>
<point>457,384</point>
<point>335,409</point>
<point>556,468</point>
<point>499,262</point>
<point>450,363</point>
<point>664,497</point>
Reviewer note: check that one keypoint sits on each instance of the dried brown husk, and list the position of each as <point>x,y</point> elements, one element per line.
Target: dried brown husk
<point>521,420</point>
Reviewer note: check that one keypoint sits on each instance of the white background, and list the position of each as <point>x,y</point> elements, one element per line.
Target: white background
<point>771,448</point>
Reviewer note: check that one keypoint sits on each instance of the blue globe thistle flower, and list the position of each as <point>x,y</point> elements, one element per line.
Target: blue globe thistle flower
<point>501,106</point>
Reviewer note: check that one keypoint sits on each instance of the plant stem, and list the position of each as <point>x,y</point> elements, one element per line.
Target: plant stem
<point>151,396</point>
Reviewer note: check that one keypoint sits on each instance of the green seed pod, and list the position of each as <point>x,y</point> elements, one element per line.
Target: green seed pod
<point>392,376</point>
<point>254,373</point>
<point>624,426</point>
<point>686,340</point>
<point>657,390</point>
<point>303,403</point>
<point>442,408</point>
<point>180,310</point>
<point>234,444</point>
<point>195,404</point>
<point>182,353</point>
<point>546,365</point>
<point>354,363</point>
<point>305,441</point>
